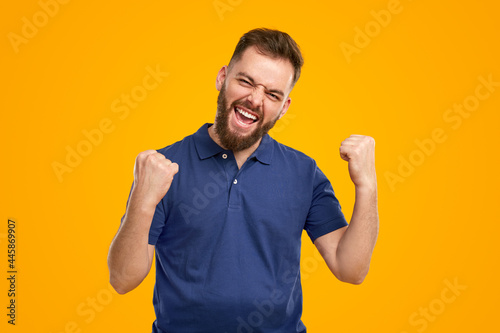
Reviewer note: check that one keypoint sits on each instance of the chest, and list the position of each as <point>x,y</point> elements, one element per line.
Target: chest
<point>260,201</point>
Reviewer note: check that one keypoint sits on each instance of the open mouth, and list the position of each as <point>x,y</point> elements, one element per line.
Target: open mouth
<point>245,117</point>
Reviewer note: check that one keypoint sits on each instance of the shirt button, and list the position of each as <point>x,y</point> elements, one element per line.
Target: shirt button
<point>224,156</point>
<point>235,181</point>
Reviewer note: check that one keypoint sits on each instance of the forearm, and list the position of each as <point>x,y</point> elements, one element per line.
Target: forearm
<point>129,260</point>
<point>357,243</point>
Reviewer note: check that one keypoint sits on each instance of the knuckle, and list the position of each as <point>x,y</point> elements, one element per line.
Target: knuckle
<point>141,156</point>
<point>154,159</point>
<point>150,158</point>
<point>146,152</point>
<point>165,166</point>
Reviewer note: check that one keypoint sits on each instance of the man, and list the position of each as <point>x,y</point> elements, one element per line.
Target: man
<point>224,208</point>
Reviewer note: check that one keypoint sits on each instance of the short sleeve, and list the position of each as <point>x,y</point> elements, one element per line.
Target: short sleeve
<point>158,222</point>
<point>325,214</point>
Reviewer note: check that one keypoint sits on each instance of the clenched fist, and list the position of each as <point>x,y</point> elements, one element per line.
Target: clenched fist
<point>359,152</point>
<point>153,174</point>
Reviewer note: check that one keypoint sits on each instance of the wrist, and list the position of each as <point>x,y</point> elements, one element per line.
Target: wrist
<point>366,188</point>
<point>142,203</point>
<point>138,217</point>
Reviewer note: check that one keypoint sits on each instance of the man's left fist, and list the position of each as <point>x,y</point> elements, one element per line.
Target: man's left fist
<point>359,152</point>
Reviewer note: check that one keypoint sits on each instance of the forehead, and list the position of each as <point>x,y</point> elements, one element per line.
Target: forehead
<point>273,73</point>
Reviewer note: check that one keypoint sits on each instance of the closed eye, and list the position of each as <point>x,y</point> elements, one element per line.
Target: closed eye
<point>245,82</point>
<point>273,96</point>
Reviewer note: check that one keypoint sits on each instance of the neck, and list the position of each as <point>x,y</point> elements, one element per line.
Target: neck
<point>241,155</point>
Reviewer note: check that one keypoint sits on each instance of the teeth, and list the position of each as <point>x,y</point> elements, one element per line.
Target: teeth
<point>246,114</point>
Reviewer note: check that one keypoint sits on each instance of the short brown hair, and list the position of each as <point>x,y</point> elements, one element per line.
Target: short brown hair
<point>273,43</point>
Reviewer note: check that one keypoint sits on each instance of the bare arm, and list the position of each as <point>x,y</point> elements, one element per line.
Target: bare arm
<point>347,251</point>
<point>130,256</point>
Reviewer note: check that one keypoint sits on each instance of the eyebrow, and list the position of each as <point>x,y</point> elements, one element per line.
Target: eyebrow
<point>275,91</point>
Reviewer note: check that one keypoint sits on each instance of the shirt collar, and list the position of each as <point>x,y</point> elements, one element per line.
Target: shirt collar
<point>206,147</point>
<point>264,153</point>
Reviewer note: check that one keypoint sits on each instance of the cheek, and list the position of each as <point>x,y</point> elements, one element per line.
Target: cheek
<point>272,111</point>
<point>237,92</point>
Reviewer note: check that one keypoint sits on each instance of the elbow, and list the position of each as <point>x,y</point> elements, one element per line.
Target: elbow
<point>355,278</point>
<point>356,281</point>
<point>118,281</point>
<point>121,291</point>
<point>120,288</point>
<point>123,281</point>
<point>115,281</point>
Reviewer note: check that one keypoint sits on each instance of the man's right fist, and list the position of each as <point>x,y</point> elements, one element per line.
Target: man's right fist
<point>153,174</point>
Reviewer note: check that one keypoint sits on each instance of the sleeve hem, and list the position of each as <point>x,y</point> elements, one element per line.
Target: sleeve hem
<point>326,228</point>
<point>152,239</point>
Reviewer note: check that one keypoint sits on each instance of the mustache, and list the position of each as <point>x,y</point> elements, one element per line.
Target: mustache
<point>247,105</point>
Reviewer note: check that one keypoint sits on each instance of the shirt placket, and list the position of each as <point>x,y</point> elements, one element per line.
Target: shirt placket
<point>232,173</point>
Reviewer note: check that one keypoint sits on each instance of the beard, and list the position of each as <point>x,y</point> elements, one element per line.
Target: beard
<point>235,141</point>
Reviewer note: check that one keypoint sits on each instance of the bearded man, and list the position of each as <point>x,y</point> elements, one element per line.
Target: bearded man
<point>223,210</point>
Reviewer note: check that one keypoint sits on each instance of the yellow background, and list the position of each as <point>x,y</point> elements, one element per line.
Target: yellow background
<point>440,224</point>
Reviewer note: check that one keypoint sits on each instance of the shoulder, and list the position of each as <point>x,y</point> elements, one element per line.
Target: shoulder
<point>176,150</point>
<point>293,156</point>
<point>291,161</point>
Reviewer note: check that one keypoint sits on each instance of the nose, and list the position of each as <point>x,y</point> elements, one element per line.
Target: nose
<point>256,97</point>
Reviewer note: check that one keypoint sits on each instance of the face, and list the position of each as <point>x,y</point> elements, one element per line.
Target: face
<point>254,94</point>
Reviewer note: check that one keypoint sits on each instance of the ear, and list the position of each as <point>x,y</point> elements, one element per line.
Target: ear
<point>221,77</point>
<point>285,107</point>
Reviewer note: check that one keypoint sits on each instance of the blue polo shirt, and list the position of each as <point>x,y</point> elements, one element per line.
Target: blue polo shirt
<point>228,240</point>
